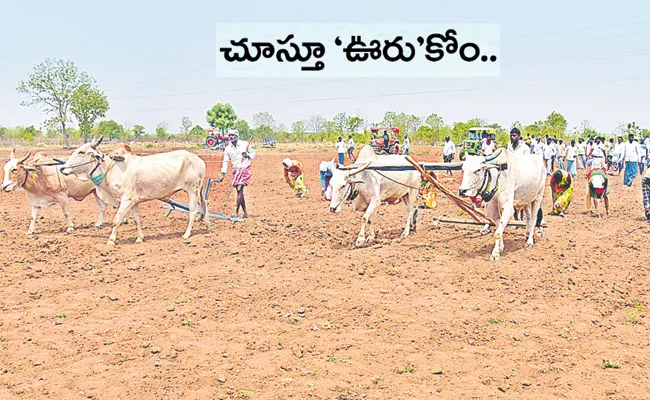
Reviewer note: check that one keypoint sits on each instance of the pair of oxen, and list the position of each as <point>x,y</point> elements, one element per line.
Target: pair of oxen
<point>121,179</point>
<point>508,181</point>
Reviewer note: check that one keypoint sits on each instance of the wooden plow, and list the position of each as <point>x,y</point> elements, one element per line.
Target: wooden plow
<point>173,205</point>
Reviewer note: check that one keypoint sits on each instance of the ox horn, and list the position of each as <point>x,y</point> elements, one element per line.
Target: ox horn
<point>97,142</point>
<point>493,156</point>
<point>22,160</point>
<point>359,169</point>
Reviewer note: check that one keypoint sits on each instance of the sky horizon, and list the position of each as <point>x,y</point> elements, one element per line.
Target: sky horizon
<point>156,61</point>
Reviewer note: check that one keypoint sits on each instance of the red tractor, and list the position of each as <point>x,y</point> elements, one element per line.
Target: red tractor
<point>385,140</point>
<point>214,140</point>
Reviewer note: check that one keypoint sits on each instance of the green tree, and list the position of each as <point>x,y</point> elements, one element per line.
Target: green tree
<point>412,123</point>
<point>109,129</point>
<point>242,127</point>
<point>52,129</point>
<point>434,121</point>
<point>517,125</point>
<point>389,118</point>
<point>340,120</point>
<point>632,128</point>
<point>197,130</point>
<point>555,125</point>
<point>352,124</point>
<point>298,128</point>
<point>221,116</point>
<point>460,130</point>
<point>315,124</point>
<point>330,127</point>
<point>186,125</point>
<point>87,105</point>
<point>51,85</point>
<point>4,132</point>
<point>262,120</point>
<point>138,131</point>
<point>25,133</point>
<point>161,130</point>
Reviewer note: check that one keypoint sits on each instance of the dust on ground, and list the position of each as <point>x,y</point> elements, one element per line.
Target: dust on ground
<point>284,306</point>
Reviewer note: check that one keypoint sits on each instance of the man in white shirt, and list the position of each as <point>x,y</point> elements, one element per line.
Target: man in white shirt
<point>340,148</point>
<point>516,145</point>
<point>553,144</point>
<point>240,154</point>
<point>588,148</point>
<point>448,152</point>
<point>561,154</point>
<point>549,153</point>
<point>597,154</point>
<point>631,158</point>
<point>351,148</point>
<point>407,145</point>
<point>571,155</point>
<point>617,159</point>
<point>488,147</point>
<point>582,152</point>
<point>642,156</point>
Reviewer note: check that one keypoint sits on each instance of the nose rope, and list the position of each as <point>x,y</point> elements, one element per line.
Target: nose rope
<point>81,165</point>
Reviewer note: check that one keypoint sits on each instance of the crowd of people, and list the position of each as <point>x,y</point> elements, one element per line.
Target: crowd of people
<point>597,156</point>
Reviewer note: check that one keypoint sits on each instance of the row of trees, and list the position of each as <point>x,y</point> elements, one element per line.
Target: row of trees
<point>64,92</point>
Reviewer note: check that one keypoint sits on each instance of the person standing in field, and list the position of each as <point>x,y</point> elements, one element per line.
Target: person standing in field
<point>516,145</point>
<point>588,149</point>
<point>642,155</point>
<point>241,155</point>
<point>549,154</point>
<point>448,152</point>
<point>340,148</point>
<point>617,158</point>
<point>561,155</point>
<point>294,175</point>
<point>407,145</point>
<point>554,158</point>
<point>631,158</point>
<point>582,151</point>
<point>351,148</point>
<point>598,154</point>
<point>609,149</point>
<point>571,157</point>
<point>488,147</point>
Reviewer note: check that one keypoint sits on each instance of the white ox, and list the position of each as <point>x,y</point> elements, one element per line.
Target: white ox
<point>45,186</point>
<point>370,188</point>
<point>508,181</point>
<point>129,180</point>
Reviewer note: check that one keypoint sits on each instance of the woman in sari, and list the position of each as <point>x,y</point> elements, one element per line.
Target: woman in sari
<point>561,191</point>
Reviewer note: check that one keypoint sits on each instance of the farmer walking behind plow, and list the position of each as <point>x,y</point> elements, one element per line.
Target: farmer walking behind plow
<point>240,154</point>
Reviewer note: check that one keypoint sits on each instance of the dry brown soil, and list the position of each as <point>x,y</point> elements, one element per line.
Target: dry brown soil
<point>284,306</point>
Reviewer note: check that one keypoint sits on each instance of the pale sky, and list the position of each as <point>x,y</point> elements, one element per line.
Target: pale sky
<point>155,60</point>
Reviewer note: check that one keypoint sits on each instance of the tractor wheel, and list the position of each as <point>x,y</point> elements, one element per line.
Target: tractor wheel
<point>461,156</point>
<point>211,141</point>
